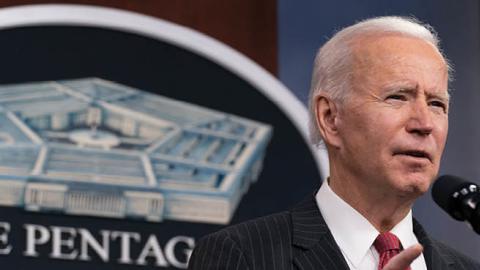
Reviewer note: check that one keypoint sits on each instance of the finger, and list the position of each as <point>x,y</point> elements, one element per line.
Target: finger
<point>403,260</point>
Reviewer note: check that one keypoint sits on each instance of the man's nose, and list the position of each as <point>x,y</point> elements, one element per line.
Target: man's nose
<point>420,121</point>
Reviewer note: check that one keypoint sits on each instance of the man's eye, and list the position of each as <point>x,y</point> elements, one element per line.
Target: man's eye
<point>397,97</point>
<point>439,104</point>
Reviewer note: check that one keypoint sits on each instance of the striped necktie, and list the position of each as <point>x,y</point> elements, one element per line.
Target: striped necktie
<point>387,245</point>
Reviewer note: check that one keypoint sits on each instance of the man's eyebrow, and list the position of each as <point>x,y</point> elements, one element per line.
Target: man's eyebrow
<point>400,86</point>
<point>402,89</point>
<point>411,90</point>
<point>445,98</point>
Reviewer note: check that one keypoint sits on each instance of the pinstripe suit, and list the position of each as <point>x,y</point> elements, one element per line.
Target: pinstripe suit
<point>298,239</point>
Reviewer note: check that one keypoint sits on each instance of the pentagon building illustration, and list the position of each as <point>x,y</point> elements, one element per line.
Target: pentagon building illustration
<point>97,148</point>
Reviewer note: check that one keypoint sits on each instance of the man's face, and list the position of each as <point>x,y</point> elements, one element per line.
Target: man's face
<point>394,122</point>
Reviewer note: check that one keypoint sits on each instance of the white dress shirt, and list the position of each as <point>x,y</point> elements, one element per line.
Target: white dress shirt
<point>355,235</point>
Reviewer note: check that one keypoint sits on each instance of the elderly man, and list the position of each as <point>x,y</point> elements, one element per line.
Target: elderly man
<point>379,102</point>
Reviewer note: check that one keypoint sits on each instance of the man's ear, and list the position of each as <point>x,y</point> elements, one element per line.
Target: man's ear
<point>326,115</point>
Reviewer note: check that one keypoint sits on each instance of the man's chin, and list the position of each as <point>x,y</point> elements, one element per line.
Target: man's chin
<point>414,186</point>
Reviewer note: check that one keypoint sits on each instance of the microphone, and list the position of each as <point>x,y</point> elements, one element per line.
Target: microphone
<point>459,198</point>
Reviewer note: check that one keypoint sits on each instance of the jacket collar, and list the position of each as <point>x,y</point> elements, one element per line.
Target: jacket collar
<point>315,245</point>
<point>433,257</point>
<point>309,227</point>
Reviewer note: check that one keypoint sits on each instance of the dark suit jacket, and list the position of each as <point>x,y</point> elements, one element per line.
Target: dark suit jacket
<point>298,239</point>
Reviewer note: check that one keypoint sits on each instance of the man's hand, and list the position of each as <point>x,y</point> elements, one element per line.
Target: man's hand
<point>403,260</point>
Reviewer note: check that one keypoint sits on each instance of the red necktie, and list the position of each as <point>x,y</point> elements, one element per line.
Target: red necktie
<point>387,245</point>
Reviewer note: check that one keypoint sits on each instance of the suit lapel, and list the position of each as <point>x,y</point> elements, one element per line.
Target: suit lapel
<point>433,257</point>
<point>314,245</point>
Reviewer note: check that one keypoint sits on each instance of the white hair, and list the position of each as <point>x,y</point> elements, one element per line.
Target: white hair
<point>331,70</point>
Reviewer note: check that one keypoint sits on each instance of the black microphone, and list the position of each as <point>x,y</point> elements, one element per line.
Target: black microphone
<point>459,198</point>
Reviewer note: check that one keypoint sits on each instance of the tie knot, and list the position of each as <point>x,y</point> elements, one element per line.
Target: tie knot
<point>387,241</point>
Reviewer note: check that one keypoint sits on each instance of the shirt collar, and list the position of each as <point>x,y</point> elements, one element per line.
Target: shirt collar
<point>352,232</point>
<point>404,231</point>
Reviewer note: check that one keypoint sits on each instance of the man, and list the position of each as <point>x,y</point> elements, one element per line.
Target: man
<point>379,102</point>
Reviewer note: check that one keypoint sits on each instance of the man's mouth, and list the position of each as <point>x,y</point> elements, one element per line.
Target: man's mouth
<point>415,154</point>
